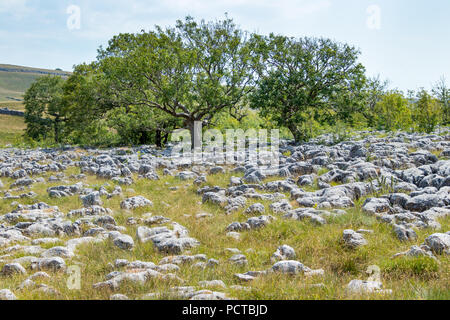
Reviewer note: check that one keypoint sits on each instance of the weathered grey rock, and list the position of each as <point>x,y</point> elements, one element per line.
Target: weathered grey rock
<point>439,243</point>
<point>215,197</point>
<point>244,277</point>
<point>212,284</point>
<point>139,278</point>
<point>399,199</point>
<point>239,259</point>
<point>12,269</point>
<point>279,207</point>
<point>39,275</point>
<point>283,252</point>
<point>361,286</point>
<point>259,222</point>
<point>416,251</point>
<point>27,284</point>
<point>256,208</point>
<point>168,267</point>
<point>186,175</point>
<point>234,235</point>
<point>124,242</point>
<point>22,182</point>
<point>237,226</point>
<point>254,176</point>
<point>65,191</point>
<point>235,204</point>
<point>306,180</point>
<point>216,170</point>
<point>212,263</point>
<point>358,151</point>
<point>92,199</point>
<point>315,273</point>
<point>289,267</point>
<point>62,252</point>
<point>145,234</point>
<point>376,205</point>
<point>6,294</point>
<point>201,179</point>
<point>313,215</point>
<point>135,202</point>
<point>424,202</point>
<point>353,239</point>
<point>235,181</point>
<point>49,264</point>
<point>404,234</point>
<point>177,245</point>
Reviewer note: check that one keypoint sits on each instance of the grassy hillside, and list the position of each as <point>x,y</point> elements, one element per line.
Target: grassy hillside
<point>11,129</point>
<point>15,80</point>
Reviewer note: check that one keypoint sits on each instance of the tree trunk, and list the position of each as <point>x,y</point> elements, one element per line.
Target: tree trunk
<point>158,139</point>
<point>195,129</point>
<point>298,136</point>
<point>166,138</point>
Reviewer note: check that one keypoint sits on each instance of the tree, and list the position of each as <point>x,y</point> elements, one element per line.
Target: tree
<point>375,91</point>
<point>442,93</point>
<point>427,112</point>
<point>190,72</point>
<point>96,115</point>
<point>307,79</point>
<point>45,112</point>
<point>393,111</point>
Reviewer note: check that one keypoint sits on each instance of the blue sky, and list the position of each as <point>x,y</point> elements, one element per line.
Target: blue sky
<point>405,41</point>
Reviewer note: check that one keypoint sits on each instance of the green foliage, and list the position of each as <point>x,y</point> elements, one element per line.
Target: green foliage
<point>307,79</point>
<point>374,92</point>
<point>393,112</point>
<point>420,266</point>
<point>190,72</point>
<point>45,111</point>
<point>427,112</point>
<point>139,125</point>
<point>145,85</point>
<point>442,93</point>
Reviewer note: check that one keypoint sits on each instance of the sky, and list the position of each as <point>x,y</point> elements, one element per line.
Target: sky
<point>404,41</point>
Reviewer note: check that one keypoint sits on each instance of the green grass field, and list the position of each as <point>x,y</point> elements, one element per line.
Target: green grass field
<point>315,246</point>
<point>11,129</point>
<point>17,80</point>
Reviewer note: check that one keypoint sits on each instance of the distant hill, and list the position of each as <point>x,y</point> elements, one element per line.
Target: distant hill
<point>15,80</point>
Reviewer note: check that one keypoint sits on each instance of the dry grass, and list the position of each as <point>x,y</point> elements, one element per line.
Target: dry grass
<point>315,246</point>
<point>11,129</point>
<point>13,105</point>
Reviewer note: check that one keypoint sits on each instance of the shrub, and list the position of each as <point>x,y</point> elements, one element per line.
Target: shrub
<point>411,266</point>
<point>427,112</point>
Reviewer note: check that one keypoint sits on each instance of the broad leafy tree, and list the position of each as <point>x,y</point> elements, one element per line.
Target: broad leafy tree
<point>306,79</point>
<point>393,112</point>
<point>93,108</point>
<point>45,112</point>
<point>375,90</point>
<point>427,111</point>
<point>190,72</point>
<point>442,92</point>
